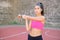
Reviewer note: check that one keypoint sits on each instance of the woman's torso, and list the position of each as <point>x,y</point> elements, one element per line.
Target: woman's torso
<point>37,28</point>
<point>34,32</point>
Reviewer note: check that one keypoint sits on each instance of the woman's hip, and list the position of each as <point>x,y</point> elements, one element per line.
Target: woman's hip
<point>35,38</point>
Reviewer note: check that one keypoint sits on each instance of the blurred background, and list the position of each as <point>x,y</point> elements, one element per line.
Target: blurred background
<point>9,10</point>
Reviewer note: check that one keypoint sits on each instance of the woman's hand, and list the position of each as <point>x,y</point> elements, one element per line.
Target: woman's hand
<point>19,16</point>
<point>24,16</point>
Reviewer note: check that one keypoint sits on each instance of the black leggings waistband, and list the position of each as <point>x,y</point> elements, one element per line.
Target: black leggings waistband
<point>35,38</point>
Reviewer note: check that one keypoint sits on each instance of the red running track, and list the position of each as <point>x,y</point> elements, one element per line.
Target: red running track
<point>20,33</point>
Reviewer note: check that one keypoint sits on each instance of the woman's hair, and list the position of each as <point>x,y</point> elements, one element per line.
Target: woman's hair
<point>41,6</point>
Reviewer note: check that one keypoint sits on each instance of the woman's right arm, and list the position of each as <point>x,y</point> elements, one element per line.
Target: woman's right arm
<point>28,26</point>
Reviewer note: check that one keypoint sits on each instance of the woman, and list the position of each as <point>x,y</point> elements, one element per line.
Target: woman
<point>36,24</point>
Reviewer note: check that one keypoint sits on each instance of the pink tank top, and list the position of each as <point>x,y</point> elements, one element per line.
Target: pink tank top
<point>37,24</point>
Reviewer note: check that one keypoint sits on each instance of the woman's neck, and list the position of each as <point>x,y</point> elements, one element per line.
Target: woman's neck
<point>39,14</point>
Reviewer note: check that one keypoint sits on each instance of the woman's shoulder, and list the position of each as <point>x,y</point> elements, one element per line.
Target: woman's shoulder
<point>42,17</point>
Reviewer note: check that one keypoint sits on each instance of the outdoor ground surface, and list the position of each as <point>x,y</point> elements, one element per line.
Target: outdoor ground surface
<point>20,33</point>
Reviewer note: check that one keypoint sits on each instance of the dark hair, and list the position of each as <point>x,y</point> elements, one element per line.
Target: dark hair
<point>41,6</point>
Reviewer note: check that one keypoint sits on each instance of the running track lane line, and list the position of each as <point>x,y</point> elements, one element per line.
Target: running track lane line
<point>46,33</point>
<point>12,35</point>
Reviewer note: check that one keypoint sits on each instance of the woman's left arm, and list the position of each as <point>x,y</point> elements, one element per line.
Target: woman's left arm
<point>42,18</point>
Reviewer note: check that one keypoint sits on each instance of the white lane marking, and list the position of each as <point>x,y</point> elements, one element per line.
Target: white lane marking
<point>12,35</point>
<point>48,35</point>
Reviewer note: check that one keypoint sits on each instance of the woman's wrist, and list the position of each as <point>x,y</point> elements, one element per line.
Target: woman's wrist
<point>28,17</point>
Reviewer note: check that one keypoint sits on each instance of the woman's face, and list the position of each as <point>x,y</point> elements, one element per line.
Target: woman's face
<point>37,10</point>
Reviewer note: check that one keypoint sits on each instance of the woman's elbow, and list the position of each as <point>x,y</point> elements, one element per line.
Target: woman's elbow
<point>28,29</point>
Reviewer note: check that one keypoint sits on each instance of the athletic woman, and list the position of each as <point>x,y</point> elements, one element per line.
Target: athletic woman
<point>36,25</point>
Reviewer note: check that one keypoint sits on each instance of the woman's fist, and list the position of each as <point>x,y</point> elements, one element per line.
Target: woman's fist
<point>24,16</point>
<point>19,16</point>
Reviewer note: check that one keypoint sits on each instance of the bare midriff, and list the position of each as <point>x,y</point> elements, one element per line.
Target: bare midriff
<point>35,32</point>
